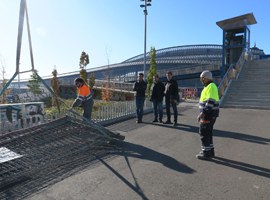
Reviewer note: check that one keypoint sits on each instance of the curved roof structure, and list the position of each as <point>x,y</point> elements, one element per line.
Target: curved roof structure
<point>184,61</point>
<point>172,58</point>
<point>193,53</point>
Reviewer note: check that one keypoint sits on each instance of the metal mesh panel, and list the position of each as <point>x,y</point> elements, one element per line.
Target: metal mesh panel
<point>50,152</point>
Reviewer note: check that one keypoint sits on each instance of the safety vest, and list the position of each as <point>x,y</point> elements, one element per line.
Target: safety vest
<point>84,93</point>
<point>209,100</point>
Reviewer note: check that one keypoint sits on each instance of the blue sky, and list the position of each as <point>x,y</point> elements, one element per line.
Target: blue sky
<point>111,31</point>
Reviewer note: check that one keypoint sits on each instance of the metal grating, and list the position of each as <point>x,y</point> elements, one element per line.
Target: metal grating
<point>50,152</point>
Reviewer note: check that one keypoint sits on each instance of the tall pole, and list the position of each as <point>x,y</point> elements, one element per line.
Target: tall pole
<point>146,3</point>
<point>145,30</point>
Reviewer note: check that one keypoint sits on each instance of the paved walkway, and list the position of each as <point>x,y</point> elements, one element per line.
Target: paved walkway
<point>158,162</point>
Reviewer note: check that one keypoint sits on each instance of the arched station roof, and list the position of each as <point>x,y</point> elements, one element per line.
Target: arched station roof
<point>177,57</point>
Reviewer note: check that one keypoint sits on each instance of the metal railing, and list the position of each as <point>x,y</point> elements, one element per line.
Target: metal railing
<point>25,122</point>
<point>104,115</point>
<point>117,111</point>
<point>20,115</point>
<point>231,74</point>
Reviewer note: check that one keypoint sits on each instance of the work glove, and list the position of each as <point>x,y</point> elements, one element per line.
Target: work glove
<point>200,116</point>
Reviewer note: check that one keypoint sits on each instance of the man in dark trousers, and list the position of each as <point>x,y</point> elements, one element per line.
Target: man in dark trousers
<point>171,98</point>
<point>157,94</point>
<point>209,111</point>
<point>84,98</point>
<point>139,88</point>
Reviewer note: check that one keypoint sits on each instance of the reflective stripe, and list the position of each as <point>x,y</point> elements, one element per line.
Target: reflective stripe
<point>89,96</point>
<point>202,105</point>
<point>208,148</point>
<point>204,121</point>
<point>82,98</point>
<point>209,105</point>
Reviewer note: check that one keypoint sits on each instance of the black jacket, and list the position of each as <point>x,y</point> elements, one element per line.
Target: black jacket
<point>140,88</point>
<point>157,91</point>
<point>171,90</point>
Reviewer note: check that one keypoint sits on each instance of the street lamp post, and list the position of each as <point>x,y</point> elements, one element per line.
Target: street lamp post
<point>146,3</point>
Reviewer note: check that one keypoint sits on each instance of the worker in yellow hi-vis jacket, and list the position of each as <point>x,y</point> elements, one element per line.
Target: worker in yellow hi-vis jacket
<point>209,111</point>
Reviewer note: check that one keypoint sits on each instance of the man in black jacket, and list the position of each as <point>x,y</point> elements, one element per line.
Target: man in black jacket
<point>139,88</point>
<point>171,98</point>
<point>157,94</point>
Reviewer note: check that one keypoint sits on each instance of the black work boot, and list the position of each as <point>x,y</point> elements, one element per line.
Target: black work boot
<point>168,122</point>
<point>212,152</point>
<point>155,120</point>
<point>175,121</point>
<point>204,156</point>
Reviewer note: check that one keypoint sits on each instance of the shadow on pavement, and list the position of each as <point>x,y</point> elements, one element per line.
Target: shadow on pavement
<point>239,136</point>
<point>221,133</point>
<point>242,136</point>
<point>260,171</point>
<point>141,152</point>
<point>135,188</point>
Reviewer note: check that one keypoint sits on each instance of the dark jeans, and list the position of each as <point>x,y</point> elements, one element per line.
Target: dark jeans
<point>87,108</point>
<point>139,101</point>
<point>168,110</point>
<point>206,133</point>
<point>158,109</point>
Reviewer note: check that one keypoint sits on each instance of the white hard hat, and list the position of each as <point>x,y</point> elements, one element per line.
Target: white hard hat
<point>206,74</point>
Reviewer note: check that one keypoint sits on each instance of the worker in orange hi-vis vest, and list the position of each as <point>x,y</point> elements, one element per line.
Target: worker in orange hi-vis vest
<point>84,98</point>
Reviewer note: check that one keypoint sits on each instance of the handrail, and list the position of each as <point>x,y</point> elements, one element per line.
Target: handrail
<point>231,74</point>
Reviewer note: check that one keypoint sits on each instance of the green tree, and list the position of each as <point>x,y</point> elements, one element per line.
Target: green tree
<point>83,75</point>
<point>152,70</point>
<point>92,80</point>
<point>84,61</point>
<point>34,84</point>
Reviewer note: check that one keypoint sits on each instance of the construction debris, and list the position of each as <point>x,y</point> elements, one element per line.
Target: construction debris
<point>33,158</point>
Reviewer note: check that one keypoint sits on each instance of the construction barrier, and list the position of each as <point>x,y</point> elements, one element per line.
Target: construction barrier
<point>189,93</point>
